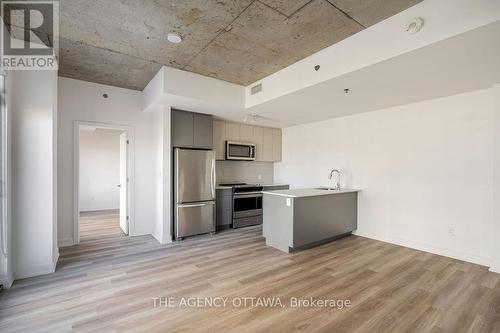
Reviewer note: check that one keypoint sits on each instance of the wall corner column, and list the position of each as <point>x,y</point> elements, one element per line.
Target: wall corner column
<point>495,228</point>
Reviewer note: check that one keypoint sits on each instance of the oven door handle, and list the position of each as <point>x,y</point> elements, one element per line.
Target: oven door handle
<point>248,195</point>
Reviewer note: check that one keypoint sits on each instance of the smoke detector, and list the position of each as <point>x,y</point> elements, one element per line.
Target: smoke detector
<point>174,38</point>
<point>415,25</point>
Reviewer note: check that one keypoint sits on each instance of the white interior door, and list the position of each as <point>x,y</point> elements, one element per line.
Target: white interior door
<point>124,182</point>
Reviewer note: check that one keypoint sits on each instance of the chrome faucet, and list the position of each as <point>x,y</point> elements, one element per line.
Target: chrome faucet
<point>337,187</point>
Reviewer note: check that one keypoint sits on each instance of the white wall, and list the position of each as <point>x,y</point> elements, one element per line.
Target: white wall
<point>34,190</point>
<point>99,169</point>
<point>6,274</point>
<point>495,228</point>
<point>186,90</point>
<point>83,101</point>
<point>162,228</point>
<point>425,171</point>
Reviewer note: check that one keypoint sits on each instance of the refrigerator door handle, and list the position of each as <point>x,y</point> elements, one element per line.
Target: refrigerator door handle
<point>195,205</point>
<point>212,180</point>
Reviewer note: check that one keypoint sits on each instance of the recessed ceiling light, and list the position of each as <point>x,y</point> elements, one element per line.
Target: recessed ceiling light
<point>174,38</point>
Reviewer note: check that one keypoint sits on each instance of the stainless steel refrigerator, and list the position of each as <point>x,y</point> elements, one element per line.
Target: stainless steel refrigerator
<point>194,192</point>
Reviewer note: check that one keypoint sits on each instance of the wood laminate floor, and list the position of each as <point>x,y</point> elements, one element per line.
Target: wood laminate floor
<point>94,225</point>
<point>109,282</point>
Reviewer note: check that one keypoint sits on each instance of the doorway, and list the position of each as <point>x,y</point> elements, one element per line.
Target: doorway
<point>102,181</point>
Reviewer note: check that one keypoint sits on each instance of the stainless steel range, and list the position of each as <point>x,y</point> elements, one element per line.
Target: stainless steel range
<point>247,204</point>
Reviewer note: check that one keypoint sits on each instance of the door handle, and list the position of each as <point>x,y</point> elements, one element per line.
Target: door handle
<point>119,185</point>
<point>212,180</point>
<point>195,205</point>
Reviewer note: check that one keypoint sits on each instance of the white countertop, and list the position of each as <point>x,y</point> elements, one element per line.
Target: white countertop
<point>218,187</point>
<point>269,184</point>
<point>222,187</point>
<point>308,192</point>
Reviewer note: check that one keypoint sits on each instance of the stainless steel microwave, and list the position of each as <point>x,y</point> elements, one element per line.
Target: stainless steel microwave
<point>240,151</point>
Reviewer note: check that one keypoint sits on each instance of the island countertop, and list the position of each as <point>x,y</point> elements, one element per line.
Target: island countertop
<point>308,192</point>
<point>221,187</point>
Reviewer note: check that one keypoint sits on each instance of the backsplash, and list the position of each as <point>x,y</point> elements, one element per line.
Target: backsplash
<point>245,172</point>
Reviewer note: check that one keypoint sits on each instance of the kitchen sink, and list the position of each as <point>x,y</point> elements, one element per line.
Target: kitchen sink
<point>326,189</point>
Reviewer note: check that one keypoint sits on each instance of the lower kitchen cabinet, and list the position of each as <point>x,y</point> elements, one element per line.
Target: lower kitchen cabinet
<point>224,208</point>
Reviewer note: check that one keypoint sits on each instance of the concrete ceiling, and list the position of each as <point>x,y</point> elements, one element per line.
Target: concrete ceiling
<point>123,43</point>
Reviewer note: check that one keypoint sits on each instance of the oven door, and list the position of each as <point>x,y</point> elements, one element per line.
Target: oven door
<point>247,204</point>
<point>240,151</point>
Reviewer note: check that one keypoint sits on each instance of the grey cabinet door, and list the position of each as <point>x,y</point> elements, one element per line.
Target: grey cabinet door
<point>182,129</point>
<point>224,207</point>
<point>203,131</point>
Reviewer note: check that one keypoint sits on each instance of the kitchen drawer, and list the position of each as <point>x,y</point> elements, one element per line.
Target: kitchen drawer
<point>247,221</point>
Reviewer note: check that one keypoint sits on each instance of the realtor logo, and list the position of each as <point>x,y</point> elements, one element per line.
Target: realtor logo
<point>30,35</point>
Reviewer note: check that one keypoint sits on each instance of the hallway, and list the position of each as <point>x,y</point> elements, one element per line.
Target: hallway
<point>100,225</point>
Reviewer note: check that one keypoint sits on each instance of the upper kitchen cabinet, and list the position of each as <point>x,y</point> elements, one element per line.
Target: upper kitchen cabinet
<point>276,145</point>
<point>267,140</point>
<point>191,130</point>
<point>246,133</point>
<point>219,127</point>
<point>267,145</point>
<point>233,131</point>
<point>182,129</point>
<point>203,131</point>
<point>258,139</point>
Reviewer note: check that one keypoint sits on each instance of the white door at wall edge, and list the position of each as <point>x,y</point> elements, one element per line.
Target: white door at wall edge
<point>124,182</point>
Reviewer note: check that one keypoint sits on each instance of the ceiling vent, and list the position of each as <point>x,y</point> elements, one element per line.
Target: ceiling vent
<point>256,89</point>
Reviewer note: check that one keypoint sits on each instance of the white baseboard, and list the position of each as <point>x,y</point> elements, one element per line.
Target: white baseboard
<point>6,280</point>
<point>36,270</point>
<point>155,236</point>
<point>54,260</point>
<point>427,247</point>
<point>162,239</point>
<point>27,272</point>
<point>63,242</point>
<point>495,267</point>
<point>167,239</point>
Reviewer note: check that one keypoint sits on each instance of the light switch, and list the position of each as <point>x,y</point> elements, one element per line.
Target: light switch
<point>288,202</point>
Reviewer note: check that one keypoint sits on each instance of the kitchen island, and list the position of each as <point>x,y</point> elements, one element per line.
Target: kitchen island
<point>303,218</point>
